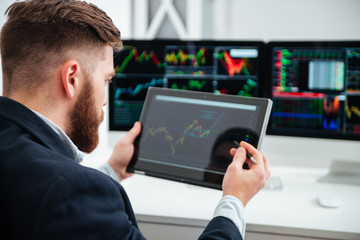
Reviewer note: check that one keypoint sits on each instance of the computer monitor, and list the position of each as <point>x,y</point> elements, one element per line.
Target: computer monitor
<point>201,65</point>
<point>221,67</point>
<point>315,87</point>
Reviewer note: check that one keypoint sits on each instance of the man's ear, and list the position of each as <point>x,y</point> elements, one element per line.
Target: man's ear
<point>70,73</point>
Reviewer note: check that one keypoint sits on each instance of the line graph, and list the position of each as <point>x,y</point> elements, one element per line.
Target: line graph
<point>138,88</point>
<point>232,66</point>
<point>353,54</point>
<point>132,60</point>
<point>191,84</point>
<point>178,56</point>
<point>352,112</point>
<point>193,130</point>
<point>236,87</point>
<point>247,88</point>
<point>170,134</point>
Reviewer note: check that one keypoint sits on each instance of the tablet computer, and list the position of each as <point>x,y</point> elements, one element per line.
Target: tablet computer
<point>187,135</point>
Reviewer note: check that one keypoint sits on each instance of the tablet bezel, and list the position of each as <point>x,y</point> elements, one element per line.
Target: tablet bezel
<point>161,171</point>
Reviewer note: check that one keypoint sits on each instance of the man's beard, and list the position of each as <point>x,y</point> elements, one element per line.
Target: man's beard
<point>85,120</point>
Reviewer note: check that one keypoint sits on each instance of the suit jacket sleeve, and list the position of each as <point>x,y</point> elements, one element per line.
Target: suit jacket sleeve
<point>221,228</point>
<point>86,205</point>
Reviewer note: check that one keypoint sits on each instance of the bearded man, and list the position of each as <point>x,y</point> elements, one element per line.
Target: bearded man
<point>57,58</point>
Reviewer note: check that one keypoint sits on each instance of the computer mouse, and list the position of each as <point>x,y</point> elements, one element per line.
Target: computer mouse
<point>328,201</point>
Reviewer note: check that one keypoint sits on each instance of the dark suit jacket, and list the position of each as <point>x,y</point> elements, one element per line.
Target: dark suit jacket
<point>45,194</point>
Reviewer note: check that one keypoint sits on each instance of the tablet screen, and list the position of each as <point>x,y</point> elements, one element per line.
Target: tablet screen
<point>186,135</point>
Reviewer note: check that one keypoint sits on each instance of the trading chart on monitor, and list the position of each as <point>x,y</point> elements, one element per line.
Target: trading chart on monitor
<point>220,67</point>
<point>316,89</point>
<point>137,67</point>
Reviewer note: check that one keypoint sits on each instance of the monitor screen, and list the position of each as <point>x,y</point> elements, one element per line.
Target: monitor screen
<point>221,67</point>
<point>315,87</point>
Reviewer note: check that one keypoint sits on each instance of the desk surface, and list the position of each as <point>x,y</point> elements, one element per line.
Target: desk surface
<point>294,208</point>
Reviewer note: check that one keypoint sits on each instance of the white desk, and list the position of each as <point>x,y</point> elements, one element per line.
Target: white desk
<point>171,210</point>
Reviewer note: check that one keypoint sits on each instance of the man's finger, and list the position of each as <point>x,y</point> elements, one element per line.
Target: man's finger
<point>134,131</point>
<point>233,151</point>
<point>252,151</point>
<point>240,156</point>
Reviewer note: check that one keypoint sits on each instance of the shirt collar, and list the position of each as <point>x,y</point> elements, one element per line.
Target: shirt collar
<point>77,154</point>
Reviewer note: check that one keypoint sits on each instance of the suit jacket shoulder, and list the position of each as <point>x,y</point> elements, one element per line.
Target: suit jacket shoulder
<point>47,195</point>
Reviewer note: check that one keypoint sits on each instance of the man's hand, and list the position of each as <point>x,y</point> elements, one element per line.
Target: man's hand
<point>245,183</point>
<point>123,152</point>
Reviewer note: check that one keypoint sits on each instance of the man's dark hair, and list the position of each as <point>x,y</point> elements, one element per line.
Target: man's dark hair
<point>40,33</point>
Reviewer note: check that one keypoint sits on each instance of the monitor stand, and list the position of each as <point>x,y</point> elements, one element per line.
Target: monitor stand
<point>343,172</point>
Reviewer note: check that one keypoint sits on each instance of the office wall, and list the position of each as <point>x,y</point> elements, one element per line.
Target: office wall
<point>243,20</point>
<point>295,20</point>
<point>253,19</point>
